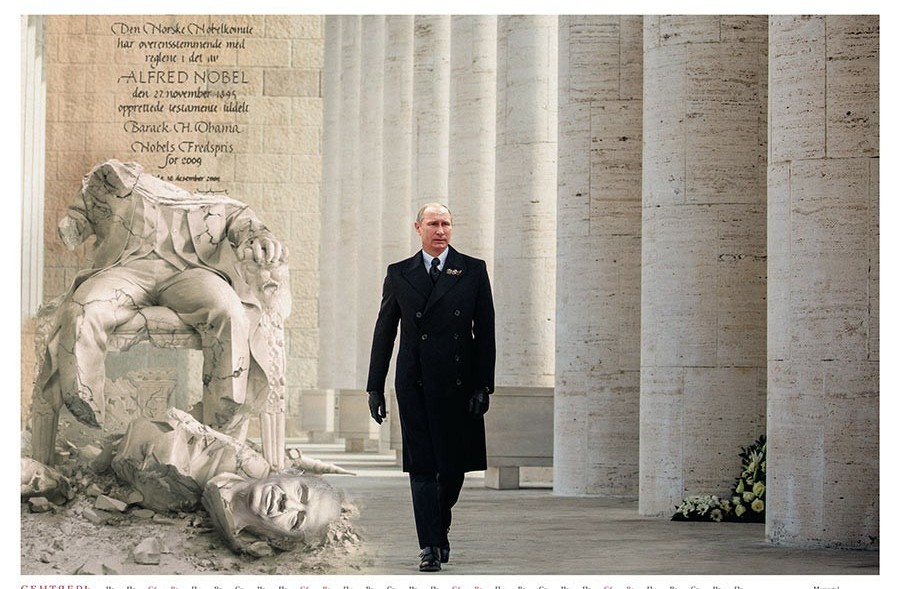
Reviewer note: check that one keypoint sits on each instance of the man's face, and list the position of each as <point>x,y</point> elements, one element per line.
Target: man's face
<point>294,506</point>
<point>268,280</point>
<point>434,229</point>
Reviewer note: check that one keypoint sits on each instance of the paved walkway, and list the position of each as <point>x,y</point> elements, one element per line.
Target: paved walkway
<point>532,532</point>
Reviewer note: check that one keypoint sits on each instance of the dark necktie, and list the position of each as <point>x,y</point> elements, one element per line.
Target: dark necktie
<point>435,273</point>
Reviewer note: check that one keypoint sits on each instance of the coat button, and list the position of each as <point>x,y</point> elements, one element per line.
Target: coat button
<point>458,382</point>
<point>456,312</point>
<point>424,336</point>
<point>419,382</point>
<point>456,358</point>
<point>455,336</point>
<point>418,314</point>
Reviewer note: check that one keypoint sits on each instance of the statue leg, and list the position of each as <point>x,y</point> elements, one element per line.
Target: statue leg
<point>86,319</point>
<point>206,302</point>
<point>45,405</point>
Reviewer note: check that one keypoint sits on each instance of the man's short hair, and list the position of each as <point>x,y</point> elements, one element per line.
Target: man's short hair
<point>429,205</point>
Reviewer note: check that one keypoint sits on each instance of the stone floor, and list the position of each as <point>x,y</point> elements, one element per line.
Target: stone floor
<point>532,532</point>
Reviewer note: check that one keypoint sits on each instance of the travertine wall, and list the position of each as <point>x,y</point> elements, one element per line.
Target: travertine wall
<point>823,353</point>
<point>598,275</point>
<point>703,275</point>
<point>131,87</point>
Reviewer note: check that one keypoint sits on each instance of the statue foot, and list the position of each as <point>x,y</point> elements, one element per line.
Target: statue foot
<point>82,410</point>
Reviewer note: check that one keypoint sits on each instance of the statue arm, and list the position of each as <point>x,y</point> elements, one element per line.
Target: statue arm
<point>250,237</point>
<point>76,226</point>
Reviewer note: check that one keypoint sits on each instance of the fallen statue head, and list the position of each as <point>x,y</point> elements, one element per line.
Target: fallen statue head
<point>40,480</point>
<point>285,510</point>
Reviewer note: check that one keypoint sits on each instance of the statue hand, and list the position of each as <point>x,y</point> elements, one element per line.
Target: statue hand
<point>263,249</point>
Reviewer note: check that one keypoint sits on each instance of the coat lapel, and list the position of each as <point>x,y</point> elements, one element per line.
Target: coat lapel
<point>414,273</point>
<point>453,271</point>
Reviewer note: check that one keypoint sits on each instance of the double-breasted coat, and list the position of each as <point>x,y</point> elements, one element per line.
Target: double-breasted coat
<point>447,352</point>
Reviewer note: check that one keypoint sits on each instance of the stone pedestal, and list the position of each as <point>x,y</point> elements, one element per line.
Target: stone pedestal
<point>146,380</point>
<point>318,415</point>
<point>519,432</point>
<point>355,424</point>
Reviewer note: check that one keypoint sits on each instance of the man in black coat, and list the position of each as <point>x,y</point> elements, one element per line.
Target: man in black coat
<point>444,375</point>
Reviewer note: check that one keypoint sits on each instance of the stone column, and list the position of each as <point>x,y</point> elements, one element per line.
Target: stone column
<point>370,270</point>
<point>347,193</point>
<point>370,266</point>
<point>355,426</point>
<point>473,123</point>
<point>397,175</point>
<point>703,278</point>
<point>597,386</point>
<point>525,248</point>
<point>34,102</point>
<point>318,412</point>
<point>823,311</point>
<point>431,111</point>
<point>396,213</point>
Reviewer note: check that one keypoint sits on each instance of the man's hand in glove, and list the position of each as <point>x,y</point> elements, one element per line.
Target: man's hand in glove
<point>377,406</point>
<point>479,403</point>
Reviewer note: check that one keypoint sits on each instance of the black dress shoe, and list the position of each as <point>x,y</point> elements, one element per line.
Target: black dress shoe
<point>430,559</point>
<point>445,554</point>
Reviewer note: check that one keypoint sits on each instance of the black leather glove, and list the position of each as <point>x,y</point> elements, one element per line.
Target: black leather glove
<point>377,406</point>
<point>479,403</point>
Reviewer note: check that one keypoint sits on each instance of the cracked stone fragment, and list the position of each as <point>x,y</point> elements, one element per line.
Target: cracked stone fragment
<point>147,552</point>
<point>93,567</point>
<point>40,480</point>
<point>107,503</point>
<point>91,452</point>
<point>39,505</point>
<point>95,517</point>
<point>134,497</point>
<point>260,549</point>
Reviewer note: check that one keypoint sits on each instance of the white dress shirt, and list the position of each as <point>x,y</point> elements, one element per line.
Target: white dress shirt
<point>442,257</point>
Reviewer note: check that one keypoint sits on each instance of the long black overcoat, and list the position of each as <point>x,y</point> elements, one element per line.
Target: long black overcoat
<point>447,352</point>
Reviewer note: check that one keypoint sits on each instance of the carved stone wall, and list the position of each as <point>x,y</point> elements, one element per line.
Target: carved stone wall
<point>229,104</point>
